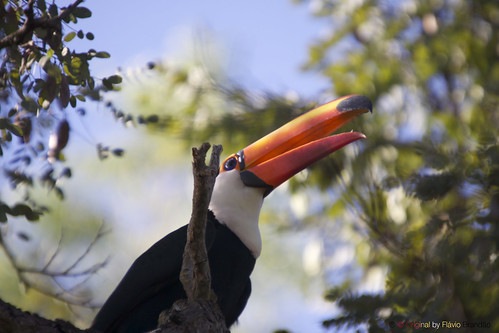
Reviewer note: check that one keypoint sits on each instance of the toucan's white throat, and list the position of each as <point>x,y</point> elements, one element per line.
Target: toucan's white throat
<point>238,207</point>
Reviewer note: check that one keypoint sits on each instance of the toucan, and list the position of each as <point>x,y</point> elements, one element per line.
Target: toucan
<point>233,240</point>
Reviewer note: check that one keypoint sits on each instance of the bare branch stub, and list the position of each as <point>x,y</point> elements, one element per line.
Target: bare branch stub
<point>200,312</point>
<point>195,274</point>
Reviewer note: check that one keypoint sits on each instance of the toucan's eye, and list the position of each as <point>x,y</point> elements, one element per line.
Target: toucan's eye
<point>230,164</point>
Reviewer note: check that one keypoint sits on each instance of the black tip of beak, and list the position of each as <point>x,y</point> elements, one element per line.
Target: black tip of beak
<point>355,102</point>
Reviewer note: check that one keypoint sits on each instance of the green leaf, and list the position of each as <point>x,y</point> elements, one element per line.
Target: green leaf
<point>76,63</point>
<point>4,209</point>
<point>22,209</point>
<point>14,129</point>
<point>64,92</point>
<point>59,192</point>
<point>39,84</point>
<point>30,105</point>
<point>12,112</point>
<point>429,187</point>
<point>102,54</point>
<point>72,101</point>
<point>115,79</point>
<point>4,122</point>
<point>41,4</point>
<point>44,61</point>
<point>91,83</point>
<point>82,12</point>
<point>107,84</point>
<point>16,82</point>
<point>118,152</point>
<point>66,172</point>
<point>53,10</point>
<point>152,118</point>
<point>69,37</point>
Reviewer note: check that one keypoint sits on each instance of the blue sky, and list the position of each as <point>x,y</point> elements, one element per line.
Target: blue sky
<point>266,41</point>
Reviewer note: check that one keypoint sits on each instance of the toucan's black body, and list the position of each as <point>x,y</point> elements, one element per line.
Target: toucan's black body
<point>152,284</point>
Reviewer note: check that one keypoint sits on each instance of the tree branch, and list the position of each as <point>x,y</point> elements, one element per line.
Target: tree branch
<point>200,312</point>
<point>195,274</point>
<point>17,37</point>
<point>56,290</point>
<point>14,320</point>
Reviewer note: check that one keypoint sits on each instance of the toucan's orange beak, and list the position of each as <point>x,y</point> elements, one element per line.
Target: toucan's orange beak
<point>278,156</point>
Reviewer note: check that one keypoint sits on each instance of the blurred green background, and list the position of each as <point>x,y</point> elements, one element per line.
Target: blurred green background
<point>399,228</point>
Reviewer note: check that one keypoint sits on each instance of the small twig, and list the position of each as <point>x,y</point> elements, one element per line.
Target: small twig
<point>52,257</point>
<point>195,274</point>
<point>60,292</point>
<point>99,234</point>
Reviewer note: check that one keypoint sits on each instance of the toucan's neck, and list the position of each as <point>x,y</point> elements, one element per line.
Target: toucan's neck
<point>238,207</point>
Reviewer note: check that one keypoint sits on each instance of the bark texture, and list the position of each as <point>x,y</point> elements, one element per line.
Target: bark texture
<point>200,312</point>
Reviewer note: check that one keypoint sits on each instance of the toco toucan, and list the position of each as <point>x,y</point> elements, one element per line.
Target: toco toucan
<point>233,240</point>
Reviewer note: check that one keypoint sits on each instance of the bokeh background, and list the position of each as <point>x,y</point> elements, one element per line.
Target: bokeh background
<point>401,227</point>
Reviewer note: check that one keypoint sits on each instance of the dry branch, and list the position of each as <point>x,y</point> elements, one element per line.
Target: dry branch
<point>195,274</point>
<point>200,312</point>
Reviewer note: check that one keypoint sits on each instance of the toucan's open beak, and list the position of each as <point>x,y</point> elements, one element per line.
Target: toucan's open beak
<point>273,159</point>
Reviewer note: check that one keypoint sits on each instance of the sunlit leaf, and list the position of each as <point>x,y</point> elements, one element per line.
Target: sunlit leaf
<point>14,129</point>
<point>102,54</point>
<point>69,37</point>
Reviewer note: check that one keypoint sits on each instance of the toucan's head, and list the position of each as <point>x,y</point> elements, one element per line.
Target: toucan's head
<point>249,175</point>
<point>278,156</point>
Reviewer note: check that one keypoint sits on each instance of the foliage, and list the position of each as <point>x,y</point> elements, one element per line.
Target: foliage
<point>40,78</point>
<point>43,81</point>
<point>426,181</point>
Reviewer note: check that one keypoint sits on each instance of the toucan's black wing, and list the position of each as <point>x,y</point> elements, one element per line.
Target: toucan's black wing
<point>150,286</point>
<point>231,265</point>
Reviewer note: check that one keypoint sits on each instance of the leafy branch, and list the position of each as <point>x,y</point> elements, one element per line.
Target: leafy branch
<point>37,69</point>
<point>31,23</point>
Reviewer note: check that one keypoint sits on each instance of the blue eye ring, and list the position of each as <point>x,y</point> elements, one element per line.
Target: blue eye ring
<point>230,164</point>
